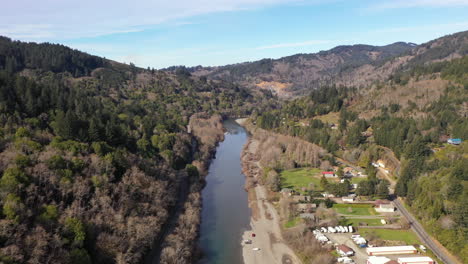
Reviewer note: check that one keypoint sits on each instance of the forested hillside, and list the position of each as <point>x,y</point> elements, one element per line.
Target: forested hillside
<point>93,153</point>
<point>433,175</point>
<point>357,66</point>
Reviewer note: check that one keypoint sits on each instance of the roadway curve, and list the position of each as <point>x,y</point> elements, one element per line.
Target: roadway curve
<point>437,249</point>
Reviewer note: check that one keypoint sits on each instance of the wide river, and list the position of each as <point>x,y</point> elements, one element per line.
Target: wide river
<point>225,214</point>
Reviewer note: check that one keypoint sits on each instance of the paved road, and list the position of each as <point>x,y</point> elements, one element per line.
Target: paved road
<point>425,238</point>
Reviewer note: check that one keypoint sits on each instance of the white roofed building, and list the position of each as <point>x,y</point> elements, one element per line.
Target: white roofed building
<point>397,250</point>
<point>416,260</point>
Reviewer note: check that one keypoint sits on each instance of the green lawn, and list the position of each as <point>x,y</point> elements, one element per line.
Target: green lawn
<point>292,223</point>
<point>406,236</point>
<point>369,222</point>
<point>356,209</point>
<point>358,179</point>
<point>298,178</point>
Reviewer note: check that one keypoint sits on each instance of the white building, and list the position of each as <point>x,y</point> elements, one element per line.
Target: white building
<point>416,260</point>
<point>396,250</point>
<point>344,250</point>
<point>378,260</point>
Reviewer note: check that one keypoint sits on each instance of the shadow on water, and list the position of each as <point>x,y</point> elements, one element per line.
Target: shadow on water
<point>225,214</point>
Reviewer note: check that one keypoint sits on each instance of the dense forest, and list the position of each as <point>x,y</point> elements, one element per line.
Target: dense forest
<point>93,153</point>
<point>433,177</point>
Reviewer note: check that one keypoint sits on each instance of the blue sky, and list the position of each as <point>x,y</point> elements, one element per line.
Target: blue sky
<point>161,33</point>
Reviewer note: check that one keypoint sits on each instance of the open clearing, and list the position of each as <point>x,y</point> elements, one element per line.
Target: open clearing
<point>301,178</point>
<point>355,209</point>
<point>407,237</point>
<point>364,222</point>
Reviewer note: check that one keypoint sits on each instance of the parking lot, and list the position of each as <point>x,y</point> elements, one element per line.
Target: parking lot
<point>360,256</point>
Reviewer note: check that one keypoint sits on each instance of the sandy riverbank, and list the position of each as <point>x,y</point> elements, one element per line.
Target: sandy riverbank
<point>265,222</point>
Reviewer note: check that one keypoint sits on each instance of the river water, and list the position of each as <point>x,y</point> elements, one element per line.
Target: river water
<point>225,214</point>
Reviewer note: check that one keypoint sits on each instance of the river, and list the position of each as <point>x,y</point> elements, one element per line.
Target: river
<point>225,214</point>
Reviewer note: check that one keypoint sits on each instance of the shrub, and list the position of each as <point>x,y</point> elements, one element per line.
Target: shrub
<point>76,228</point>
<point>12,207</point>
<point>50,213</point>
<point>101,148</point>
<point>12,177</point>
<point>22,161</point>
<point>69,145</point>
<point>56,162</point>
<point>22,132</point>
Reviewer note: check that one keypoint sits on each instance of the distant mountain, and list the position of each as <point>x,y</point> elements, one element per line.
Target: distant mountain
<point>356,65</point>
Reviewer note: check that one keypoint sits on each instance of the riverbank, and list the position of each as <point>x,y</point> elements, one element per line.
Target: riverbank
<point>265,221</point>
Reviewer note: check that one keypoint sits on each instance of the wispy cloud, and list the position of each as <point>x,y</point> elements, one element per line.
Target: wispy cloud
<point>294,44</point>
<point>396,4</point>
<point>90,18</point>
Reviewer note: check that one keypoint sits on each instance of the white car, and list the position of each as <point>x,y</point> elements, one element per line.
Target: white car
<point>255,249</point>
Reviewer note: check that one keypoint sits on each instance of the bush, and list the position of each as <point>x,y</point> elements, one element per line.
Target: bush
<point>50,213</point>
<point>12,177</point>
<point>101,148</point>
<point>69,145</point>
<point>22,161</point>
<point>12,207</point>
<point>22,132</point>
<point>76,228</point>
<point>56,162</point>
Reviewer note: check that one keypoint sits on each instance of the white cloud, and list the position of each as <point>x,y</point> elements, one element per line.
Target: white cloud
<point>65,19</point>
<point>294,44</point>
<point>395,4</point>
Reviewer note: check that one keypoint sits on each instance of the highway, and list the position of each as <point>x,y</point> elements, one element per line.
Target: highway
<point>425,238</point>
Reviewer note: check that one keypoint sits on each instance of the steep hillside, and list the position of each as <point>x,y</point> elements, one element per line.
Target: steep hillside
<point>357,65</point>
<point>95,155</point>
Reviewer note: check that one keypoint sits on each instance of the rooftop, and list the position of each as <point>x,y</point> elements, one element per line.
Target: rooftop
<point>415,259</point>
<point>391,249</point>
<point>344,248</point>
<point>377,260</point>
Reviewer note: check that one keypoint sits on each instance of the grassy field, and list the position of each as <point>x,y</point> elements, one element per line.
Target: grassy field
<point>405,236</point>
<point>356,209</point>
<point>331,118</point>
<point>369,222</point>
<point>292,223</point>
<point>298,178</point>
<point>358,179</point>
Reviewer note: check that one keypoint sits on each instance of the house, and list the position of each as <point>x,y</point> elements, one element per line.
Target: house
<point>328,195</point>
<point>416,260</point>
<point>396,250</point>
<point>349,198</point>
<point>454,141</point>
<point>344,250</point>
<point>306,207</point>
<point>384,206</point>
<point>329,174</point>
<point>349,172</point>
